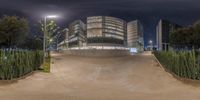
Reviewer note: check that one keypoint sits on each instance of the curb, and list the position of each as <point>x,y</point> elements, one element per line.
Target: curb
<point>20,78</point>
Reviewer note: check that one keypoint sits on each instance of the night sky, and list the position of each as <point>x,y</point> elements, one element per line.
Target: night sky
<point>183,12</point>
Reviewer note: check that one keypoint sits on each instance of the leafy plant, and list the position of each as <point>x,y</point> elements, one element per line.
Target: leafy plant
<point>183,63</point>
<point>17,63</point>
<point>13,31</point>
<point>47,64</point>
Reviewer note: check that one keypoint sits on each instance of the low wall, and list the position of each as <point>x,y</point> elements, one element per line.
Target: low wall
<point>97,53</point>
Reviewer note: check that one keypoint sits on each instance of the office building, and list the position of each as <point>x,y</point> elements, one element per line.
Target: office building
<point>135,35</point>
<point>163,30</point>
<point>77,34</point>
<point>106,31</point>
<point>63,39</point>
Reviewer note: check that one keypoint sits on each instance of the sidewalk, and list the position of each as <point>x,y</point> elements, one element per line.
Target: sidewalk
<point>135,77</point>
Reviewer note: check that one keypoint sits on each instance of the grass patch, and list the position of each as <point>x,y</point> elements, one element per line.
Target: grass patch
<point>47,65</point>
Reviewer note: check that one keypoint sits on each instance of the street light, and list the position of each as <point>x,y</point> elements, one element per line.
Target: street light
<point>151,44</point>
<point>45,32</point>
<point>52,16</point>
<point>51,40</point>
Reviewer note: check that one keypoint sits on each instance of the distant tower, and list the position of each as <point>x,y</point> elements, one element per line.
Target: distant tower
<point>163,30</point>
<point>135,35</point>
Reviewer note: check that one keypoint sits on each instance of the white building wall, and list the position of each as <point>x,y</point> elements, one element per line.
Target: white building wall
<point>135,34</point>
<point>159,35</point>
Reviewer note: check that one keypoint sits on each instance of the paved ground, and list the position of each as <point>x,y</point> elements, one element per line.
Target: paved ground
<point>79,78</point>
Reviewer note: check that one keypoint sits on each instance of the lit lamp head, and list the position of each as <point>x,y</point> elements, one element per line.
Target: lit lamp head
<point>52,16</point>
<point>51,40</point>
<point>150,41</point>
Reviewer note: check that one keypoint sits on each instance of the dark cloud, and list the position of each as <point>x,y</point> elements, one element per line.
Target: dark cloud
<point>148,11</point>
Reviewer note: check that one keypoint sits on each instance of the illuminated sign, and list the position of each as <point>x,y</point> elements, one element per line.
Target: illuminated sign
<point>133,50</point>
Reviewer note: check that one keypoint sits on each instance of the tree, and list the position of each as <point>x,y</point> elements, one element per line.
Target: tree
<point>186,37</point>
<point>13,31</point>
<point>196,33</point>
<point>51,30</point>
<point>33,43</point>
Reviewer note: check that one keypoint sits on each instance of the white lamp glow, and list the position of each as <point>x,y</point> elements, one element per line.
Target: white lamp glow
<point>51,16</point>
<point>150,41</point>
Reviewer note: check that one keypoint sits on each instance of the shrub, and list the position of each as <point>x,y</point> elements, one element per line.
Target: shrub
<point>47,64</point>
<point>17,63</point>
<point>185,64</point>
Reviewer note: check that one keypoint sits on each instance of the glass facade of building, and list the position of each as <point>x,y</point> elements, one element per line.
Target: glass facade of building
<point>104,30</point>
<point>163,30</point>
<point>63,39</point>
<point>77,34</point>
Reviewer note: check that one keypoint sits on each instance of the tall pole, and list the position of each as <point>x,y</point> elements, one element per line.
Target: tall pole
<point>44,38</point>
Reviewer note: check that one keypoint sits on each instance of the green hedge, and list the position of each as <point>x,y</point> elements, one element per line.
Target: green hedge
<point>185,64</point>
<point>17,63</point>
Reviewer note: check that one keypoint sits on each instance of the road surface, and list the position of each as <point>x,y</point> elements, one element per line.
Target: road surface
<point>135,77</point>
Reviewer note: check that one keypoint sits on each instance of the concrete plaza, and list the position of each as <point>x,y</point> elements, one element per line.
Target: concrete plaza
<point>135,77</point>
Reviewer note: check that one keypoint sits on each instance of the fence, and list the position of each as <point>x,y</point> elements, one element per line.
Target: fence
<point>17,63</point>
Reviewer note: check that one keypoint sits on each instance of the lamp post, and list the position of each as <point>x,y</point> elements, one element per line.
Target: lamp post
<point>45,32</point>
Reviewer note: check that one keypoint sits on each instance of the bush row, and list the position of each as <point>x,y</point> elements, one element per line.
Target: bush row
<point>185,64</point>
<point>17,63</point>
